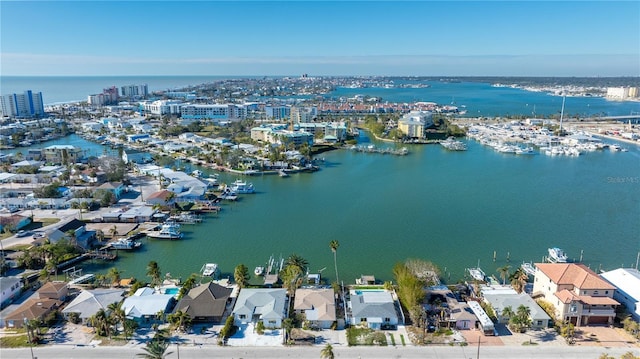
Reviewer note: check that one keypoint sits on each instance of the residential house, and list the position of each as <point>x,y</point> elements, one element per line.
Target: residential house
<point>205,303</point>
<point>89,302</point>
<point>261,304</point>
<point>577,293</point>
<point>81,236</point>
<point>10,289</point>
<point>145,304</point>
<point>114,187</point>
<point>15,222</point>
<point>483,322</point>
<point>32,308</point>
<point>318,306</point>
<point>375,309</point>
<point>160,198</point>
<point>500,297</point>
<point>627,283</point>
<point>138,214</point>
<point>62,154</point>
<point>54,290</point>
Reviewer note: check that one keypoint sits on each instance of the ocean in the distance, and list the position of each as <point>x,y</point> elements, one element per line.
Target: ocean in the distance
<point>478,99</point>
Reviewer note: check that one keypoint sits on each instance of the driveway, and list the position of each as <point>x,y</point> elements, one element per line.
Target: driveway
<point>247,337</point>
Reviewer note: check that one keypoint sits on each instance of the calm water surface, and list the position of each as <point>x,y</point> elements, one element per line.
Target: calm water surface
<point>453,208</point>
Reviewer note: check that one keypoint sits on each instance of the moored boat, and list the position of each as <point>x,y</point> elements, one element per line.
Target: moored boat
<point>167,231</point>
<point>528,268</point>
<point>557,255</point>
<point>242,187</point>
<point>477,274</point>
<point>259,271</point>
<point>209,270</point>
<point>124,244</point>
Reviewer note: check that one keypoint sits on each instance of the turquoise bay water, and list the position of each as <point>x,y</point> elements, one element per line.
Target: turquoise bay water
<point>452,208</point>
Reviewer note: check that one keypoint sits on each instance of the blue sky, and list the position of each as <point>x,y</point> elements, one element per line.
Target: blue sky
<point>456,38</point>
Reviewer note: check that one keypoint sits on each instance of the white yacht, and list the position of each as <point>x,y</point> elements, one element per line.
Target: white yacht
<point>125,244</point>
<point>209,270</point>
<point>452,144</point>
<point>477,274</point>
<point>242,187</point>
<point>167,231</point>
<point>529,268</point>
<point>259,271</point>
<point>557,255</point>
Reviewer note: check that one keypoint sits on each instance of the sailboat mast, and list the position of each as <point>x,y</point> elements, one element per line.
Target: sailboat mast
<point>564,96</point>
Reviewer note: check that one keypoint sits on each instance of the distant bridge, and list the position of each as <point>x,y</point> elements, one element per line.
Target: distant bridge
<point>625,118</point>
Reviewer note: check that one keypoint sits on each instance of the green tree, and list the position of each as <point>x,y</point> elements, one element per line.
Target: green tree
<point>568,331</point>
<point>114,276</point>
<point>327,352</point>
<point>180,321</point>
<point>188,284</point>
<point>297,261</point>
<point>116,315</point>
<point>507,312</point>
<point>291,278</point>
<point>241,275</point>
<point>153,271</point>
<point>334,244</point>
<point>260,327</point>
<point>504,273</point>
<point>519,279</point>
<point>155,349</point>
<point>129,326</point>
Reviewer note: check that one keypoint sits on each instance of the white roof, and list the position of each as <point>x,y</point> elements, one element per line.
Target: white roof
<point>626,280</point>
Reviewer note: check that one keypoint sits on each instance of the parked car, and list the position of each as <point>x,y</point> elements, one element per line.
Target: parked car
<point>23,233</point>
<point>37,235</point>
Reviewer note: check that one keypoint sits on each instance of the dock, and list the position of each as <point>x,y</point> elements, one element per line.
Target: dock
<point>373,149</point>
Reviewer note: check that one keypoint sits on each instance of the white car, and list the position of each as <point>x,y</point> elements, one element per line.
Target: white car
<point>23,233</point>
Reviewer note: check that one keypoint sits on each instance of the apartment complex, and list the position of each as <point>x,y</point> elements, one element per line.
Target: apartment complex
<point>26,105</point>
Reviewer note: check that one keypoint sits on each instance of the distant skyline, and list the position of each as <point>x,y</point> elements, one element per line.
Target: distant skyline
<point>420,38</point>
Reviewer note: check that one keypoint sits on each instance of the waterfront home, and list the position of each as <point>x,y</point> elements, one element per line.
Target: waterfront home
<point>160,198</point>
<point>500,297</point>
<point>10,289</point>
<point>462,316</point>
<point>414,124</point>
<point>145,304</point>
<point>374,308</point>
<point>89,302</point>
<point>62,154</point>
<point>205,303</point>
<point>577,293</point>
<point>261,305</point>
<point>138,214</point>
<point>317,305</point>
<point>81,236</point>
<point>627,283</point>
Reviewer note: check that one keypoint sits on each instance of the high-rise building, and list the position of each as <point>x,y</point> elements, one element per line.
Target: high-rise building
<point>26,105</point>
<point>135,91</point>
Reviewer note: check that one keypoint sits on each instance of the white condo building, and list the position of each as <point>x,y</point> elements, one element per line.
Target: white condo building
<point>26,105</point>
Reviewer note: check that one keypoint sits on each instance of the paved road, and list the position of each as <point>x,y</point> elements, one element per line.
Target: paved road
<point>445,352</point>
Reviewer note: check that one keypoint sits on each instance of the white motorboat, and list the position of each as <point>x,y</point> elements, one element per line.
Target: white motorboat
<point>452,144</point>
<point>167,231</point>
<point>477,274</point>
<point>124,244</point>
<point>242,187</point>
<point>525,151</point>
<point>282,173</point>
<point>528,268</point>
<point>557,255</point>
<point>209,270</point>
<point>259,271</point>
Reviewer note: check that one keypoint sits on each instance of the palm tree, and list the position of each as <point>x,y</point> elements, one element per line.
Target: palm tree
<point>180,320</point>
<point>327,352</point>
<point>155,349</point>
<point>100,321</point>
<point>297,261</point>
<point>113,231</point>
<point>504,273</point>
<point>153,271</point>
<point>189,284</point>
<point>241,275</point>
<point>507,312</point>
<point>116,315</point>
<point>334,244</point>
<point>519,279</point>
<point>114,275</point>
